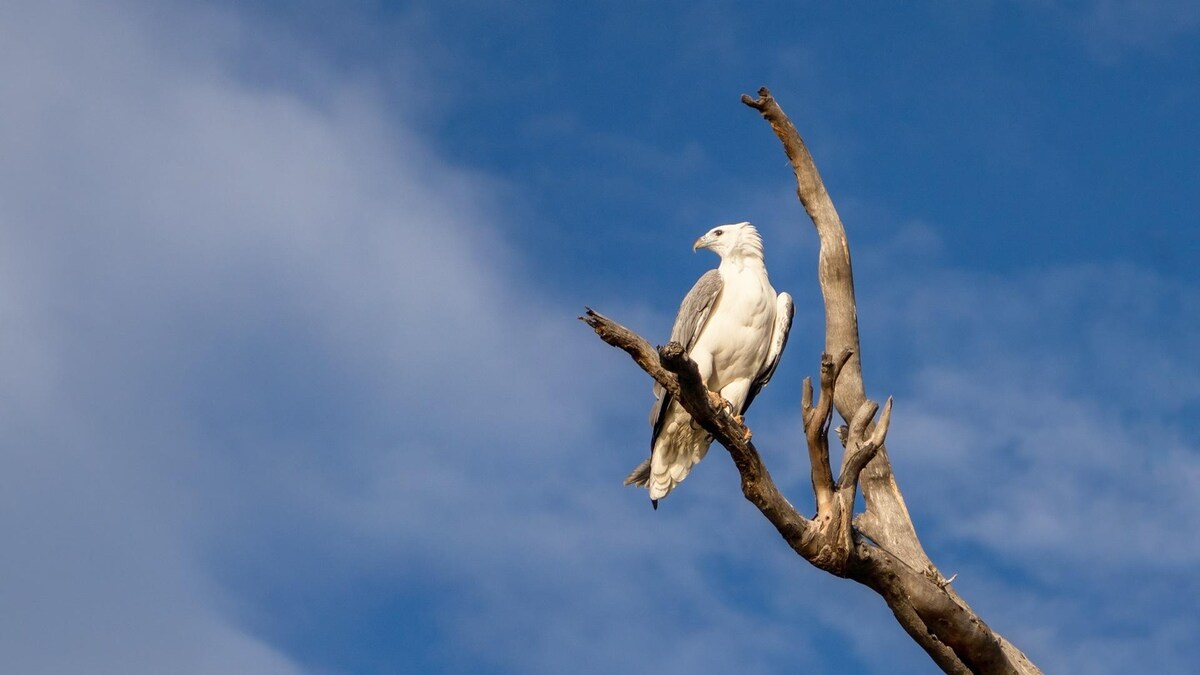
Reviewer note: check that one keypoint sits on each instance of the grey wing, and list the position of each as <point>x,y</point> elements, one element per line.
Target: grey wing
<point>784,311</point>
<point>694,310</point>
<point>693,314</point>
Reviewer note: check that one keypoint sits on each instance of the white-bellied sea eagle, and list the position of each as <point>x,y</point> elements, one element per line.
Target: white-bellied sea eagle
<point>734,326</point>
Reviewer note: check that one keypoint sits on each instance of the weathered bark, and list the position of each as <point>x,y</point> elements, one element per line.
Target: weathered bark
<point>886,520</point>
<point>879,548</point>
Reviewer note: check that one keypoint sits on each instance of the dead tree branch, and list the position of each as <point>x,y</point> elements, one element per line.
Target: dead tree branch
<point>879,549</point>
<point>957,640</point>
<point>886,520</point>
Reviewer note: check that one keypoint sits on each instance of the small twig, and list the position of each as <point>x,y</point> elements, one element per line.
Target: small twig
<point>816,429</point>
<point>806,402</point>
<point>860,451</point>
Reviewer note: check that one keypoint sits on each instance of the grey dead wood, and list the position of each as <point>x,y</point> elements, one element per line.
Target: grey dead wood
<point>879,547</point>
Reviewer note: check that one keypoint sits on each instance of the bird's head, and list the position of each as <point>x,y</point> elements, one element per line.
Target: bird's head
<point>737,240</point>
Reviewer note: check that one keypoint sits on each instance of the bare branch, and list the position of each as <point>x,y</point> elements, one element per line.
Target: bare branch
<point>883,553</point>
<point>757,485</point>
<point>885,421</point>
<point>862,417</point>
<point>816,431</point>
<point>671,367</point>
<point>861,450</point>
<point>941,654</point>
<point>886,520</point>
<point>635,345</point>
<point>924,606</point>
<point>806,401</point>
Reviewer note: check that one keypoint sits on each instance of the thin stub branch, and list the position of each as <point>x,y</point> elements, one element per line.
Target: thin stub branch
<point>633,344</point>
<point>816,429</point>
<point>859,451</point>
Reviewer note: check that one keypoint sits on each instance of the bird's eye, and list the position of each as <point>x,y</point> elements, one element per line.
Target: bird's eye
<point>719,232</point>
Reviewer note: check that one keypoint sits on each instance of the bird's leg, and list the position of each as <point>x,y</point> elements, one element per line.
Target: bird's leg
<point>734,394</point>
<point>726,397</point>
<point>730,409</point>
<point>719,401</point>
<point>704,365</point>
<point>739,419</point>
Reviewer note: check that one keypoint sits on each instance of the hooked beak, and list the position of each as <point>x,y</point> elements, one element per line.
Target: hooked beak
<point>702,242</point>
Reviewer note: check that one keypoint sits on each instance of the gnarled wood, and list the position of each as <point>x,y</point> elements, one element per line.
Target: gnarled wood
<point>954,637</point>
<point>886,520</point>
<point>880,548</point>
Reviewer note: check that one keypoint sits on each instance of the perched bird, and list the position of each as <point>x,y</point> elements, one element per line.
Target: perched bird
<point>734,326</point>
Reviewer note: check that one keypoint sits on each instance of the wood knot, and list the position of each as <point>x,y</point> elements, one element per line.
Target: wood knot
<point>672,356</point>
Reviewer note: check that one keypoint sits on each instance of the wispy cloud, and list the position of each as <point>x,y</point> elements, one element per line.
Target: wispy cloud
<point>1111,28</point>
<point>1043,433</point>
<point>280,395</point>
<point>261,348</point>
<point>224,307</point>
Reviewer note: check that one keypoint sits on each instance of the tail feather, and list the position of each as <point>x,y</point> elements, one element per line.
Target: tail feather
<point>640,477</point>
<point>673,459</point>
<point>677,448</point>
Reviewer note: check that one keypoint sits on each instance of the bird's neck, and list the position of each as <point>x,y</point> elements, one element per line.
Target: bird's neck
<point>736,262</point>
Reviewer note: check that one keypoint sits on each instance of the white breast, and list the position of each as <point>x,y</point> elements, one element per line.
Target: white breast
<point>738,332</point>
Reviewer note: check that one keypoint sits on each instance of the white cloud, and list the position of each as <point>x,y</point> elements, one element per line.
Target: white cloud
<point>195,270</point>
<point>1043,435</point>
<point>263,342</point>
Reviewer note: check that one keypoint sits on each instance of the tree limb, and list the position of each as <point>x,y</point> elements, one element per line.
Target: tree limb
<point>879,549</point>
<point>953,636</point>
<point>886,520</point>
<point>816,430</point>
<point>635,345</point>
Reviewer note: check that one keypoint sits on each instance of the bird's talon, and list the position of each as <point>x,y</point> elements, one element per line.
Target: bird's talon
<point>715,399</point>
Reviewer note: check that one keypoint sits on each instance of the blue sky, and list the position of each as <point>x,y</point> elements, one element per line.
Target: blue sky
<point>292,379</point>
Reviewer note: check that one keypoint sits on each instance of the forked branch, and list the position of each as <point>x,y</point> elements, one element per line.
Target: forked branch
<point>886,521</point>
<point>920,600</point>
<point>880,548</point>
